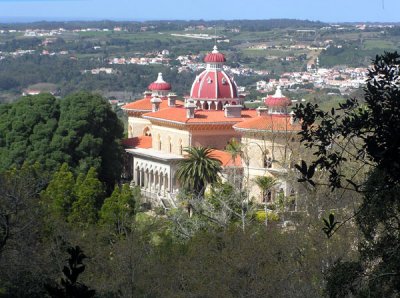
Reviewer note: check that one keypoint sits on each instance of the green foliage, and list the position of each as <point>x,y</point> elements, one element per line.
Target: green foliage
<point>70,287</point>
<point>59,194</point>
<point>379,116</point>
<point>265,183</point>
<point>366,133</point>
<point>118,210</point>
<point>88,135</point>
<point>260,216</point>
<point>89,198</point>
<point>19,193</point>
<point>26,130</point>
<point>341,279</point>
<point>198,170</point>
<point>80,130</point>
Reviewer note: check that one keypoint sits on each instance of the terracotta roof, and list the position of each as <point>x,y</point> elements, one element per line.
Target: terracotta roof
<point>269,123</point>
<point>144,142</point>
<point>277,101</point>
<point>226,158</point>
<point>159,86</point>
<point>145,104</point>
<point>201,116</point>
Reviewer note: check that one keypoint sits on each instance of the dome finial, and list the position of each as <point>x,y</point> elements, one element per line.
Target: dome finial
<point>278,92</point>
<point>215,49</point>
<point>160,78</point>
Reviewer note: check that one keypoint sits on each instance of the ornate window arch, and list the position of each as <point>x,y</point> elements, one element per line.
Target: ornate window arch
<point>147,131</point>
<point>169,144</point>
<point>159,142</point>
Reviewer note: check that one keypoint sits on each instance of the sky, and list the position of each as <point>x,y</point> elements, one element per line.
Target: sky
<point>321,10</point>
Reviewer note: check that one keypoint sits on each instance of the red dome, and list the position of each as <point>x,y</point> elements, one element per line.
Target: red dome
<point>215,57</point>
<point>159,84</point>
<point>213,84</point>
<point>277,100</point>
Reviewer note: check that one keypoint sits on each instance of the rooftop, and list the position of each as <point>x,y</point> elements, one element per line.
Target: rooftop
<point>145,105</point>
<point>144,142</point>
<point>268,123</point>
<point>178,115</point>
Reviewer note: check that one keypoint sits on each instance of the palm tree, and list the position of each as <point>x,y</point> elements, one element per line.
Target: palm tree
<point>235,149</point>
<point>265,183</point>
<point>198,170</point>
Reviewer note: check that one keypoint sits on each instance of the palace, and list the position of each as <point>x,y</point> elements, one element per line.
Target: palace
<point>161,126</point>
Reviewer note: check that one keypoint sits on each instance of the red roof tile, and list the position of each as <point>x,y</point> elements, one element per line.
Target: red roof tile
<point>201,116</point>
<point>269,123</point>
<point>226,158</point>
<point>144,142</point>
<point>145,104</point>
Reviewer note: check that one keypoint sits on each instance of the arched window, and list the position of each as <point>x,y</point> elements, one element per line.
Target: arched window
<point>147,132</point>
<point>130,130</point>
<point>267,162</point>
<point>267,197</point>
<point>170,144</point>
<point>159,142</point>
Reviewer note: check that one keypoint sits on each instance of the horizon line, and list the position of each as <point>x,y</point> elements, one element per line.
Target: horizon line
<point>35,19</point>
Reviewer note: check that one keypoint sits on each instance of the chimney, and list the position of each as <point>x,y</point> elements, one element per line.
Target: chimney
<point>190,107</point>
<point>262,111</point>
<point>155,104</point>
<point>233,111</point>
<point>147,94</point>
<point>171,99</point>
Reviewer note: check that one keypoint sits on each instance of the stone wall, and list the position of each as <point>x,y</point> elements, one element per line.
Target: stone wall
<point>136,126</point>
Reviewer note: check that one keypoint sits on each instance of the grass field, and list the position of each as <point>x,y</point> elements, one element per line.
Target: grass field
<point>378,44</point>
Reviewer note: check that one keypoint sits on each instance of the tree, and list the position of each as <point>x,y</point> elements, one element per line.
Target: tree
<point>118,210</point>
<point>235,149</point>
<point>265,183</point>
<point>198,170</point>
<point>59,194</point>
<point>364,133</point>
<point>26,130</point>
<point>88,135</point>
<point>89,197</point>
<point>81,130</point>
<point>19,208</point>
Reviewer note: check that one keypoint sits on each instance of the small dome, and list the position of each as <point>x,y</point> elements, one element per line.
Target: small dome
<point>277,100</point>
<point>156,100</point>
<point>215,57</point>
<point>160,84</point>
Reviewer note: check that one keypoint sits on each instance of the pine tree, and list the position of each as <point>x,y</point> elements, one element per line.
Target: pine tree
<point>90,194</point>
<point>118,210</point>
<point>59,194</point>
